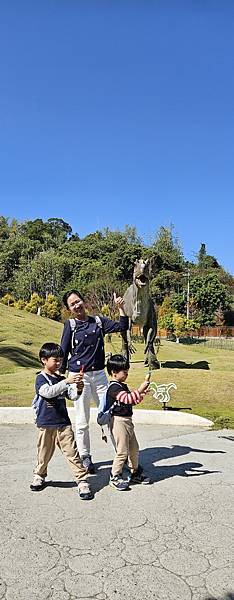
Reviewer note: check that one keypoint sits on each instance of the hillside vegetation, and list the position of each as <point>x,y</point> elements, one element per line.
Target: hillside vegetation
<point>204,376</point>
<point>40,260</point>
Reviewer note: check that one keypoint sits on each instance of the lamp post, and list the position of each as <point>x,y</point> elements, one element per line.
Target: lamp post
<point>187,274</point>
<point>188,293</point>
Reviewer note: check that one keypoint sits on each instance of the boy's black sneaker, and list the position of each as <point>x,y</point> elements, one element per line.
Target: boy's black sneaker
<point>118,483</point>
<point>88,465</point>
<point>139,477</point>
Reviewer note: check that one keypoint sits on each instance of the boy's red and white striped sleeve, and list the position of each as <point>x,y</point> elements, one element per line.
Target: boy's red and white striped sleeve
<point>133,397</point>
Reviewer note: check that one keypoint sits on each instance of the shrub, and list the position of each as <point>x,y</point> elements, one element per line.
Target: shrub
<point>34,303</point>
<point>8,299</point>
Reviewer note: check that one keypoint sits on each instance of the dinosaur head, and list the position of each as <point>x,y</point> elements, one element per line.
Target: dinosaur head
<point>141,273</point>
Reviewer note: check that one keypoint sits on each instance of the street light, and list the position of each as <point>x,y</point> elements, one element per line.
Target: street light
<point>188,292</point>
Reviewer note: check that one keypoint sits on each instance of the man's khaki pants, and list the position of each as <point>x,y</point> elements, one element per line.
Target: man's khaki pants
<point>127,446</point>
<point>63,437</point>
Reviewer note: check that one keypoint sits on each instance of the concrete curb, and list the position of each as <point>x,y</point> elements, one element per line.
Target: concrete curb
<point>24,415</point>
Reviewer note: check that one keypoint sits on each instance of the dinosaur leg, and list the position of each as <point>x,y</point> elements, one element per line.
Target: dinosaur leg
<point>150,358</point>
<point>126,343</point>
<point>125,348</point>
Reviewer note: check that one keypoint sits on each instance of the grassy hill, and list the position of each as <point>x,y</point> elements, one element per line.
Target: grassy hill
<point>204,376</point>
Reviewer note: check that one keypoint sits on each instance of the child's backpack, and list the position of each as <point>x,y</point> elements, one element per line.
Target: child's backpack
<point>37,400</point>
<point>104,409</point>
<point>73,328</point>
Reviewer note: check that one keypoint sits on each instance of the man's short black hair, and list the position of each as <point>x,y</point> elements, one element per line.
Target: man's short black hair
<point>51,349</point>
<point>69,293</point>
<point>117,363</point>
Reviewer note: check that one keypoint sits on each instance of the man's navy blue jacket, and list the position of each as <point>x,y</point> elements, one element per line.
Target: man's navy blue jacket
<point>86,343</point>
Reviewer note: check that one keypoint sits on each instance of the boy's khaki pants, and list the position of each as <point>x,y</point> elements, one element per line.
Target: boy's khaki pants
<point>63,437</point>
<point>127,446</point>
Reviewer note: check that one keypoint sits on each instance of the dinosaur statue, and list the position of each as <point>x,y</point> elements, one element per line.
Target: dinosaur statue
<point>139,308</point>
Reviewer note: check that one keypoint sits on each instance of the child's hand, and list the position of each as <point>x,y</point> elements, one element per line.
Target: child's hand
<point>74,378</point>
<point>143,388</point>
<point>80,385</point>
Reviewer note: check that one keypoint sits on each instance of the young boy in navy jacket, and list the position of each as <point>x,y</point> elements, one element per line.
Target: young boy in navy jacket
<point>120,401</point>
<point>54,425</point>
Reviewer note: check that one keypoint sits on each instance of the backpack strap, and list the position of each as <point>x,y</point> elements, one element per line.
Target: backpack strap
<point>73,328</point>
<point>46,377</point>
<point>115,403</point>
<point>99,323</point>
<point>36,399</point>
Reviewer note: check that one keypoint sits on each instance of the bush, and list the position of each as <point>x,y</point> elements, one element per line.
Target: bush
<point>8,299</point>
<point>51,308</point>
<point>20,304</point>
<point>34,303</point>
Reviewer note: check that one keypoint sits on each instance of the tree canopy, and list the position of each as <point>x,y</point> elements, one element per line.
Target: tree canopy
<point>46,258</point>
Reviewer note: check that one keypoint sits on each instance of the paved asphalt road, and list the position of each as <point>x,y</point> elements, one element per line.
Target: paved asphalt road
<point>172,540</point>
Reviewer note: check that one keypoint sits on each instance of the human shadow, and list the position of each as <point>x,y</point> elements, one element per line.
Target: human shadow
<point>102,475</point>
<point>181,364</point>
<point>156,454</point>
<point>188,469</point>
<point>19,356</point>
<point>149,456</point>
<point>227,437</point>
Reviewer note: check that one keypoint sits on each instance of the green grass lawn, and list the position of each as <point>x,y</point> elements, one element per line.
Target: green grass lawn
<point>204,376</point>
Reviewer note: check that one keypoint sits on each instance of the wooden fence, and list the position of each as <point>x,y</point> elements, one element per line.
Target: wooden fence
<point>204,332</point>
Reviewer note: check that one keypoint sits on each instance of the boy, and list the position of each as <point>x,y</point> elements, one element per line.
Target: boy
<point>121,400</point>
<point>53,421</point>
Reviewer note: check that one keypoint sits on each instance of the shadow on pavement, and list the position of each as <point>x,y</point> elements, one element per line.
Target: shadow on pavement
<point>229,596</point>
<point>60,484</point>
<point>151,455</point>
<point>21,357</point>
<point>189,469</point>
<point>148,457</point>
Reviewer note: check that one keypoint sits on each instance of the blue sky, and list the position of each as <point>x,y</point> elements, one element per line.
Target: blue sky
<point>120,112</point>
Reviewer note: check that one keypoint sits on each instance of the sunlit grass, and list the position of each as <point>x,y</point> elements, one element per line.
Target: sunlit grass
<point>207,392</point>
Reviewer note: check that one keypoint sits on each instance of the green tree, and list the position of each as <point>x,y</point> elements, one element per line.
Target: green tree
<point>208,295</point>
<point>168,248</point>
<point>166,283</point>
<point>165,315</point>
<point>45,273</point>
<point>206,261</point>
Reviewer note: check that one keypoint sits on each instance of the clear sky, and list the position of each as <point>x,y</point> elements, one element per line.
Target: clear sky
<point>120,112</point>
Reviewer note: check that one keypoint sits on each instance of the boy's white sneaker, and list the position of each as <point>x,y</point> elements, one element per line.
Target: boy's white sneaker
<point>38,483</point>
<point>84,491</point>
